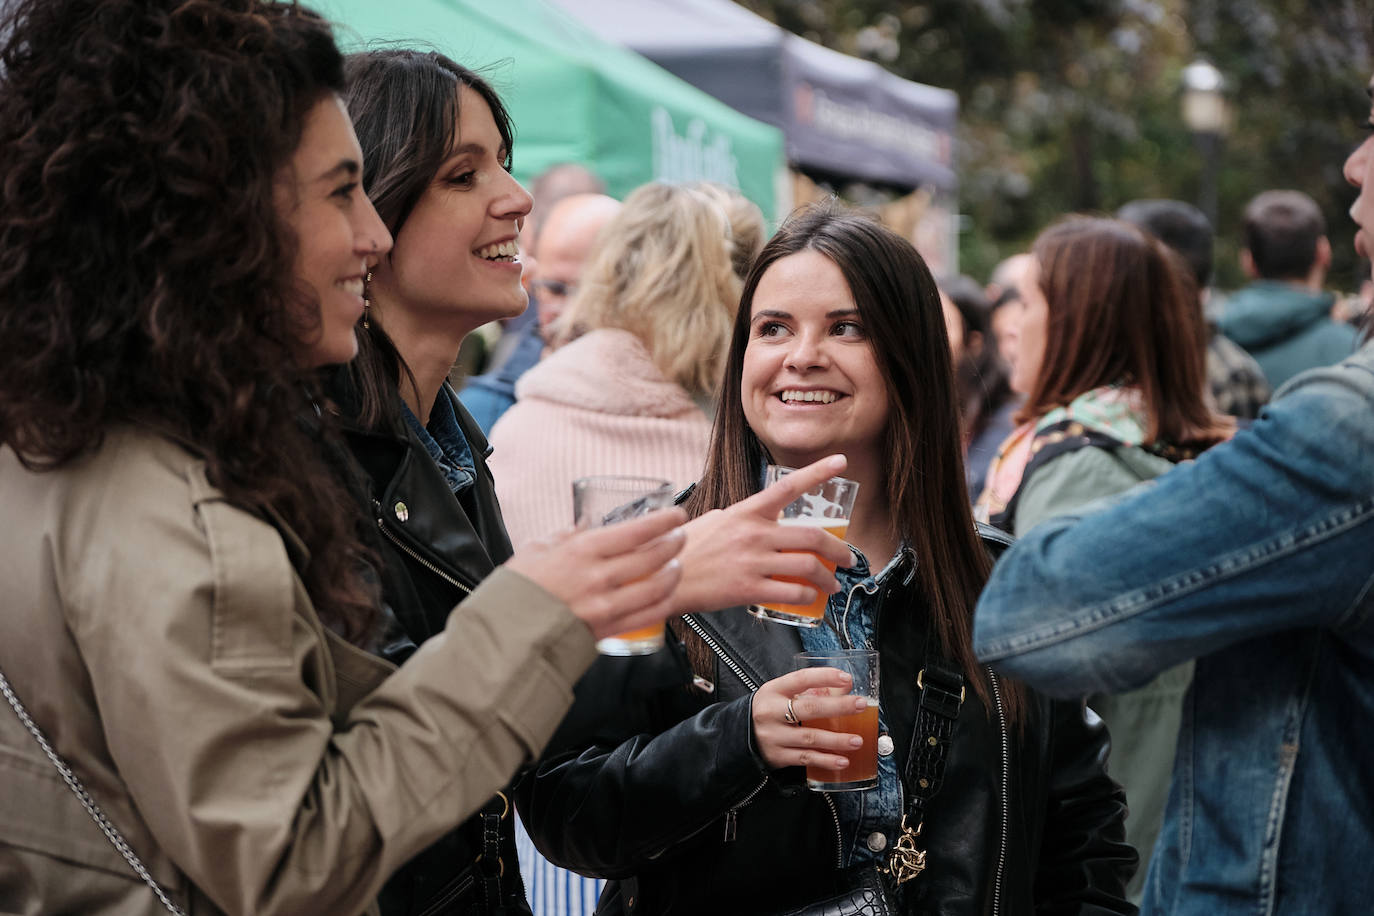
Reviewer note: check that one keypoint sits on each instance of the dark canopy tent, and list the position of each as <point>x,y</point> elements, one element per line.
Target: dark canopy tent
<point>840,115</point>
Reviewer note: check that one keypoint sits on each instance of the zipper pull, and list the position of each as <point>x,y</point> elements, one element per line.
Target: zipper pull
<point>730,825</point>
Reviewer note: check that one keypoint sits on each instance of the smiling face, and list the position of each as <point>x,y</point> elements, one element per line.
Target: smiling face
<point>810,384</point>
<point>338,234</point>
<point>456,262</point>
<point>1359,171</point>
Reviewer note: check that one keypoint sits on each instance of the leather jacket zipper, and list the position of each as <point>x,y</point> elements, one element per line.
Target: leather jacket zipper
<point>390,536</point>
<point>1006,788</point>
<point>735,669</point>
<point>731,815</point>
<point>839,835</point>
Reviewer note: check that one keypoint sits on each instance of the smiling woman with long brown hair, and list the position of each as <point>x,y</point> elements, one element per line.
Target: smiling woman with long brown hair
<point>690,792</point>
<point>439,146</point>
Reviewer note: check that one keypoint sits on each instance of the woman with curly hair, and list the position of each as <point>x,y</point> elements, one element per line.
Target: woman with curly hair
<point>192,639</point>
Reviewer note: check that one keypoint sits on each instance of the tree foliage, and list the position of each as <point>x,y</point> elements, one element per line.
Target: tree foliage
<point>1072,105</point>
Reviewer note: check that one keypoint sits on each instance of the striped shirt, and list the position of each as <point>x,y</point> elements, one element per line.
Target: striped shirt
<point>553,891</point>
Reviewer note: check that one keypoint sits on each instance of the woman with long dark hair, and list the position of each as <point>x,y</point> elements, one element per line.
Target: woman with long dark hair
<point>438,142</point>
<point>1113,353</point>
<point>692,797</point>
<point>197,716</point>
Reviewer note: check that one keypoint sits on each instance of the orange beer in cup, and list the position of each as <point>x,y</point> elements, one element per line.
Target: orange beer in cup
<point>827,506</point>
<point>862,771</point>
<point>609,499</point>
<point>863,763</point>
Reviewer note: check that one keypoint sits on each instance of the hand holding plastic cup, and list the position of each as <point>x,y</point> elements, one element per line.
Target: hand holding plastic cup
<point>862,772</point>
<point>828,505</point>
<point>606,500</point>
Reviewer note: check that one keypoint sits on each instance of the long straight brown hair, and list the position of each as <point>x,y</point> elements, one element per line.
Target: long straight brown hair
<point>1122,310</point>
<point>404,106</point>
<point>901,313</point>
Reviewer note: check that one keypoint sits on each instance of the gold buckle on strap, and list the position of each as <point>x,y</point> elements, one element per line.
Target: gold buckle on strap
<point>905,861</point>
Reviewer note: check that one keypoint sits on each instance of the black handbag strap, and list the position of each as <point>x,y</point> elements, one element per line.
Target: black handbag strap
<point>79,790</point>
<point>491,868</point>
<point>942,693</point>
<point>937,708</point>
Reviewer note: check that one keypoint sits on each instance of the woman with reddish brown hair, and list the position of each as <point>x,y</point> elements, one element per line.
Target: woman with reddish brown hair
<point>1111,341</point>
<point>1112,361</point>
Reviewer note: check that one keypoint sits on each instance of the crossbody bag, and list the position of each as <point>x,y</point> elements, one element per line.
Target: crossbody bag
<point>111,832</point>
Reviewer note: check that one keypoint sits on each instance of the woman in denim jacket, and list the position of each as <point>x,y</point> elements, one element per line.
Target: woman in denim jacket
<point>686,787</point>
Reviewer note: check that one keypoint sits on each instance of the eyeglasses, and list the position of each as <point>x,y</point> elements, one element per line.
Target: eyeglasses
<point>555,288</point>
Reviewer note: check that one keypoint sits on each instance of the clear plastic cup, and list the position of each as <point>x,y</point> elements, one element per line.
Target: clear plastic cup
<point>606,500</point>
<point>862,772</point>
<point>827,505</point>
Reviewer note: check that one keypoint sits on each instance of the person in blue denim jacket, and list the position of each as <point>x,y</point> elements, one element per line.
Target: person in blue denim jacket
<point>1258,560</point>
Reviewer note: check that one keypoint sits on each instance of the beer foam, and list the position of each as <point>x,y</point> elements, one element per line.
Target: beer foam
<point>813,522</point>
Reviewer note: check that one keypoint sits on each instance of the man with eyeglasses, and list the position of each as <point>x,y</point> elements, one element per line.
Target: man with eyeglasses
<point>566,240</point>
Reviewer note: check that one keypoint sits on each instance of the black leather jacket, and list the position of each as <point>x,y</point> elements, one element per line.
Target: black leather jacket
<point>435,548</point>
<point>663,792</point>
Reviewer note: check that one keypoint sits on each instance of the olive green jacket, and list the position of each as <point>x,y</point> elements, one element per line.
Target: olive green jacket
<point>1143,723</point>
<point>257,763</point>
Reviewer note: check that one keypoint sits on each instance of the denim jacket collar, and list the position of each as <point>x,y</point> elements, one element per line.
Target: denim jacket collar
<point>445,442</point>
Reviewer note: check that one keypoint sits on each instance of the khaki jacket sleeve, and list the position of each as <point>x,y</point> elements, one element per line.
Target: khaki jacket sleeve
<point>217,698</point>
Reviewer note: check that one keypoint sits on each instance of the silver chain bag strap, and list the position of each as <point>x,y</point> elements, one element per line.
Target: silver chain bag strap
<point>111,832</point>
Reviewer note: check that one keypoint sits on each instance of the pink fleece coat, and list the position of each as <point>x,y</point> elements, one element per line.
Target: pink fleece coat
<point>595,406</point>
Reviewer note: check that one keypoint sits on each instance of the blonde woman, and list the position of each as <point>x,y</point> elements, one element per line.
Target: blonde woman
<point>748,230</point>
<point>632,390</point>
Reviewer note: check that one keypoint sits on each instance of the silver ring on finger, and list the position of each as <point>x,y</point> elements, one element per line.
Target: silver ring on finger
<point>790,717</point>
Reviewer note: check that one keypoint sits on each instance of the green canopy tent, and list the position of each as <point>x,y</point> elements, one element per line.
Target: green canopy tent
<point>576,98</point>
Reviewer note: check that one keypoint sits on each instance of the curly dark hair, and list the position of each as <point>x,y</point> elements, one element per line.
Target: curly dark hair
<point>145,274</point>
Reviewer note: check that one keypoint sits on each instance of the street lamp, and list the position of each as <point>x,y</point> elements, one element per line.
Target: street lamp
<point>1208,116</point>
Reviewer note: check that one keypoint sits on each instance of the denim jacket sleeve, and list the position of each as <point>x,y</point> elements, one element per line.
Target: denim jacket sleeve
<point>1270,532</point>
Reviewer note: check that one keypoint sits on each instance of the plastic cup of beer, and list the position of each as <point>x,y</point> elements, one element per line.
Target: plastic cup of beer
<point>827,505</point>
<point>609,499</point>
<point>862,772</point>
